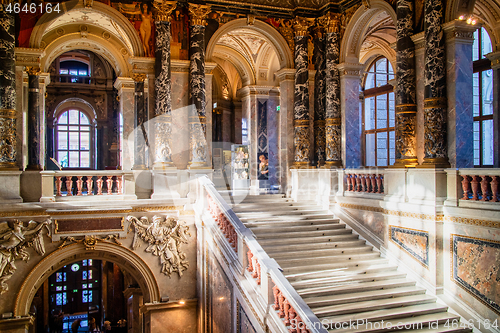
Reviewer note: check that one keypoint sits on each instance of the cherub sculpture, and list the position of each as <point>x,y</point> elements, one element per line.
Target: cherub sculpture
<point>14,239</point>
<point>164,239</point>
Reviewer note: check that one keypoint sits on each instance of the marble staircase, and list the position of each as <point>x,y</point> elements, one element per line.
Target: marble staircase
<point>344,281</point>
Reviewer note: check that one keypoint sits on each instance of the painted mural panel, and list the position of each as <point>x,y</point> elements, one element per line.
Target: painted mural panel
<point>220,297</point>
<point>244,325</point>
<point>415,242</point>
<point>476,268</point>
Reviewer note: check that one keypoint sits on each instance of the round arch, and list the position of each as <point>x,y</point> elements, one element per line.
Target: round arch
<point>358,26</point>
<point>70,102</point>
<point>245,71</point>
<point>455,8</point>
<point>115,253</point>
<point>275,39</point>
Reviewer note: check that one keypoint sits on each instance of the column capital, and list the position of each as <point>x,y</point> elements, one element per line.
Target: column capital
<point>419,40</point>
<point>33,70</point>
<point>27,56</point>
<point>143,65</point>
<point>301,25</point>
<point>198,14</point>
<point>350,69</point>
<point>331,22</point>
<point>138,77</point>
<point>123,83</point>
<point>164,9</point>
<point>285,74</point>
<point>495,59</point>
<point>459,31</point>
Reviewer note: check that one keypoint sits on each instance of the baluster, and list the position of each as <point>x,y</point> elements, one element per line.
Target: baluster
<point>69,186</point>
<point>79,185</point>
<point>373,180</point>
<point>235,240</point>
<point>99,182</point>
<point>380,178</point>
<point>294,321</point>
<point>281,312</point>
<point>119,184</point>
<point>109,184</point>
<point>465,187</point>
<point>363,183</point>
<point>494,188</point>
<point>258,273</point>
<point>286,307</point>
<point>485,183</point>
<point>255,274</point>
<point>89,185</point>
<point>348,182</point>
<point>353,182</point>
<point>276,292</point>
<point>358,183</point>
<point>58,186</point>
<point>475,188</point>
<point>250,266</point>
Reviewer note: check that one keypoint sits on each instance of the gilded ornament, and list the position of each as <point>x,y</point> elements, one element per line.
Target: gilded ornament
<point>14,239</point>
<point>138,77</point>
<point>164,9</point>
<point>301,25</point>
<point>198,14</point>
<point>164,238</point>
<point>90,241</point>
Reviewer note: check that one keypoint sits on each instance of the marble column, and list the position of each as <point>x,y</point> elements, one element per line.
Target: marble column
<point>333,111</point>
<point>34,121</point>
<point>301,96</point>
<point>459,41</point>
<point>435,103</point>
<point>163,86</point>
<point>140,119</point>
<point>198,147</point>
<point>350,104</point>
<point>7,92</point>
<point>319,95</point>
<point>495,66</point>
<point>126,89</point>
<point>405,92</point>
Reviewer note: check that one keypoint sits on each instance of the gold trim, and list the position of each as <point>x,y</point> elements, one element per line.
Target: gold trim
<point>333,121</point>
<point>164,9</point>
<point>472,221</point>
<point>33,70</point>
<point>402,248</point>
<point>198,14</point>
<point>438,217</point>
<point>8,113</point>
<point>441,162</point>
<point>138,77</point>
<point>331,164</point>
<point>451,268</point>
<point>90,212</point>
<point>404,163</point>
<point>436,102</point>
<point>319,123</point>
<point>406,108</point>
<point>301,123</point>
<point>56,230</point>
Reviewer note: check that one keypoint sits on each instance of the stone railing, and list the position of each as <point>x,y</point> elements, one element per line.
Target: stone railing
<point>87,185</point>
<point>251,263</point>
<point>473,188</point>
<point>359,181</point>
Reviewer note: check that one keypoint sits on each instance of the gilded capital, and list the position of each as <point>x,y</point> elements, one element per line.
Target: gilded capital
<point>164,9</point>
<point>301,25</point>
<point>319,31</point>
<point>138,77</point>
<point>198,14</point>
<point>33,70</point>
<point>331,22</point>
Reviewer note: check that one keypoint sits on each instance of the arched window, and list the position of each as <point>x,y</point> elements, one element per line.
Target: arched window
<point>378,115</point>
<point>73,139</point>
<point>483,100</point>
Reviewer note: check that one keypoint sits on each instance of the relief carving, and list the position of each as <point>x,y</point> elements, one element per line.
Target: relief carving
<point>164,238</point>
<point>14,239</point>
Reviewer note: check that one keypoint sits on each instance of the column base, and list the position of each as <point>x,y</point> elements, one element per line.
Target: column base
<point>139,167</point>
<point>435,163</point>
<point>165,184</point>
<point>302,165</point>
<point>198,165</point>
<point>332,164</point>
<point>34,168</point>
<point>405,163</point>
<point>163,165</point>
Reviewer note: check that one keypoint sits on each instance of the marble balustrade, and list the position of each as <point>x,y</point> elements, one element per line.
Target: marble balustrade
<point>480,184</point>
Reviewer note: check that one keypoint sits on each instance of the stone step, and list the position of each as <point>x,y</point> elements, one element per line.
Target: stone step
<point>311,241</point>
<point>296,235</point>
<point>279,212</point>
<point>340,281</point>
<point>345,243</point>
<point>354,287</point>
<point>249,207</point>
<point>309,216</point>
<point>346,271</point>
<point>321,301</point>
<point>346,259</point>
<point>337,255</point>
<point>379,304</point>
<point>289,223</point>
<point>433,322</point>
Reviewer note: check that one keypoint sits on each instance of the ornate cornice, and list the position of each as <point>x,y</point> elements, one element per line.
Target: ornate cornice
<point>460,31</point>
<point>198,14</point>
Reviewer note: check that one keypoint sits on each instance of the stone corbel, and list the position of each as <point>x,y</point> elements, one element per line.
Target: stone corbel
<point>28,57</point>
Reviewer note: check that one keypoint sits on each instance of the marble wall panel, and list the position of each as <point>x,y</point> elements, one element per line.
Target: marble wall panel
<point>243,325</point>
<point>351,121</point>
<point>476,268</point>
<point>220,295</point>
<point>419,72</point>
<point>180,127</point>
<point>273,140</point>
<point>415,242</point>
<point>127,110</point>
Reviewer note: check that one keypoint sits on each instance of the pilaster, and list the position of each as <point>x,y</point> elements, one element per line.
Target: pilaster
<point>126,91</point>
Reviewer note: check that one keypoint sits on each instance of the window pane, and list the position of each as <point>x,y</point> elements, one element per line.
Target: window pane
<point>63,71</point>
<point>82,72</point>
<point>475,46</point>
<point>73,140</point>
<point>370,113</point>
<point>370,149</point>
<point>475,94</point>
<point>486,41</point>
<point>84,296</point>
<point>382,111</point>
<point>369,83</point>
<point>487,93</point>
<point>84,275</point>
<point>392,110</point>
<point>62,158</point>
<point>73,116</point>
<point>84,120</point>
<point>62,140</point>
<point>382,149</point>
<point>58,299</point>
<point>85,159</point>
<point>84,140</point>
<point>392,147</point>
<point>63,119</point>
<point>74,159</point>
<point>476,143</point>
<point>73,71</point>
<point>487,142</point>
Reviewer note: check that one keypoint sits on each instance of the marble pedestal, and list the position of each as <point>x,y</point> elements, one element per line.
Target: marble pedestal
<point>31,186</point>
<point>11,187</point>
<point>165,184</point>
<point>143,183</point>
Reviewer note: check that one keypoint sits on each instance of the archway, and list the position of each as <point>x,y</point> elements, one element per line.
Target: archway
<point>120,255</point>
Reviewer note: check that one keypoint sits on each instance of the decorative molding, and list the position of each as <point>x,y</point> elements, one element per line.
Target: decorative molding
<point>198,14</point>
<point>472,221</point>
<point>90,241</point>
<point>164,9</point>
<point>121,228</point>
<point>165,238</point>
<point>423,257</point>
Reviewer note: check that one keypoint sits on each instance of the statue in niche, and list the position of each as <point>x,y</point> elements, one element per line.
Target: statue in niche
<point>14,239</point>
<point>145,28</point>
<point>164,239</point>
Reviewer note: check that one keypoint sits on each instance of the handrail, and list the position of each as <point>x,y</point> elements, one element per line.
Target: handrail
<point>291,307</point>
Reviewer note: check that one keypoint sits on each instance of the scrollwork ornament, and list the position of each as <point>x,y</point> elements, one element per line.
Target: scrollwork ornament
<point>164,9</point>
<point>15,238</point>
<point>90,241</point>
<point>164,238</point>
